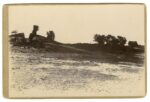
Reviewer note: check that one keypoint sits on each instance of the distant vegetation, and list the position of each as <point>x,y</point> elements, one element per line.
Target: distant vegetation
<point>112,41</point>
<point>104,43</point>
<point>118,43</point>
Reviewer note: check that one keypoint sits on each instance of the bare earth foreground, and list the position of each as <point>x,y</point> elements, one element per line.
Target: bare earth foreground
<point>37,73</point>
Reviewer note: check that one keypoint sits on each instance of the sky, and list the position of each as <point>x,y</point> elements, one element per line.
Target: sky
<point>79,23</point>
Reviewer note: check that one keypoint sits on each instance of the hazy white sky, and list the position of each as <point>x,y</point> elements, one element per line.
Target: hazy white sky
<point>79,23</point>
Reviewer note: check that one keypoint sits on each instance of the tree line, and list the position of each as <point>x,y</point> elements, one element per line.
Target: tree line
<point>113,41</point>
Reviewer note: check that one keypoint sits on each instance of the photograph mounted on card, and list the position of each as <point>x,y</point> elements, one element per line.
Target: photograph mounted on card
<point>74,50</point>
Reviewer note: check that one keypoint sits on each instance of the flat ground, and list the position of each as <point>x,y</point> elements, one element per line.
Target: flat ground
<point>36,72</point>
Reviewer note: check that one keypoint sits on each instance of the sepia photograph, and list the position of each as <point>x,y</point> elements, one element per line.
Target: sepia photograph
<point>74,50</point>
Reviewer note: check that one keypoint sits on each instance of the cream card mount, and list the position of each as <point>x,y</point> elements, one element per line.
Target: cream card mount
<point>74,50</point>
